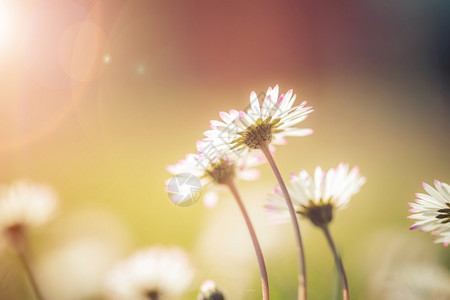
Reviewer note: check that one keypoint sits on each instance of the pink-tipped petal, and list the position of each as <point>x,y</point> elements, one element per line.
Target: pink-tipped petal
<point>413,227</point>
<point>280,99</point>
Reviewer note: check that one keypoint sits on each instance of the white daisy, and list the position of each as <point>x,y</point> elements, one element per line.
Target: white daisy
<point>432,211</point>
<point>154,273</point>
<point>209,291</point>
<point>316,198</point>
<point>268,123</point>
<point>24,204</point>
<point>215,170</point>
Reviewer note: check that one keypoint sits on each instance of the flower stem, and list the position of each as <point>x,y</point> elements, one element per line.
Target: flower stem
<point>29,273</point>
<point>339,264</point>
<point>259,255</point>
<point>302,291</point>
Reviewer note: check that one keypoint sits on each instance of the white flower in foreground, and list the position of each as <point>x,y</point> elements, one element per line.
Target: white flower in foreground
<point>432,211</point>
<point>416,281</point>
<point>215,170</point>
<point>155,273</point>
<point>316,198</point>
<point>209,291</point>
<point>24,204</point>
<point>268,123</point>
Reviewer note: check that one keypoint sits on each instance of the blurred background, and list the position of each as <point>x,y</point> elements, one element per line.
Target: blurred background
<point>97,97</point>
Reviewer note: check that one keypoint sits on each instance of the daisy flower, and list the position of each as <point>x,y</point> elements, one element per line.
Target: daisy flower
<point>221,170</point>
<point>432,211</point>
<point>262,124</point>
<point>316,198</point>
<point>259,128</point>
<point>154,273</point>
<point>209,291</point>
<point>215,170</point>
<point>24,205</point>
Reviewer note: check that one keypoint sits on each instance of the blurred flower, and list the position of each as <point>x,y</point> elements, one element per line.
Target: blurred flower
<point>432,210</point>
<point>315,198</point>
<point>154,273</point>
<point>216,170</point>
<point>271,122</point>
<point>209,291</point>
<point>417,282</point>
<point>398,270</point>
<point>84,261</point>
<point>85,250</point>
<point>24,204</point>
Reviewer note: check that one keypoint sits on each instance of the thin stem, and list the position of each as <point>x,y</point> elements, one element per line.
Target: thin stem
<point>302,291</point>
<point>259,255</point>
<point>29,273</point>
<point>339,264</point>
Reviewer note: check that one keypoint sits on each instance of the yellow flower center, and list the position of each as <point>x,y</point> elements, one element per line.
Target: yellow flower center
<point>221,171</point>
<point>257,133</point>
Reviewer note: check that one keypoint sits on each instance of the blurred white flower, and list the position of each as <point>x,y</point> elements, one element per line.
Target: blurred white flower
<point>209,291</point>
<point>24,204</point>
<point>84,262</point>
<point>417,282</point>
<point>154,273</point>
<point>85,250</point>
<point>270,122</point>
<point>432,211</point>
<point>403,266</point>
<point>214,169</point>
<point>316,198</point>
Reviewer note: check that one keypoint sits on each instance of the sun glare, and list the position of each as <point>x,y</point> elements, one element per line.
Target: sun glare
<point>6,22</point>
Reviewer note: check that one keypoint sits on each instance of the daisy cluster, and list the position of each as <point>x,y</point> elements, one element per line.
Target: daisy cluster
<point>232,147</point>
<point>241,140</point>
<point>226,151</point>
